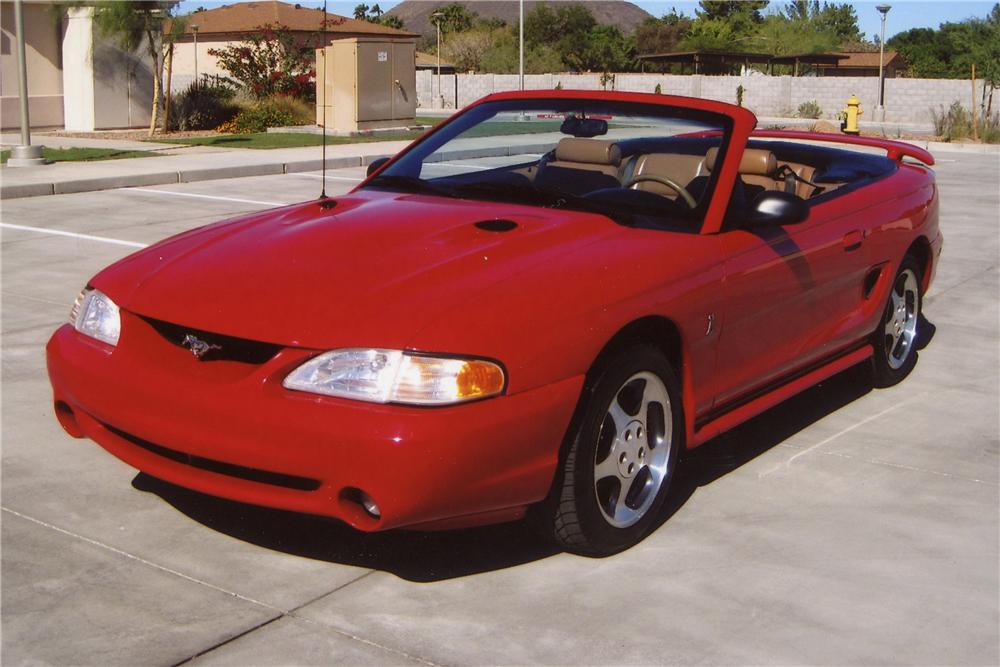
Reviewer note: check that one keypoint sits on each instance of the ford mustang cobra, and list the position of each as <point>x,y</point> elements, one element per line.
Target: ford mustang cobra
<point>533,308</point>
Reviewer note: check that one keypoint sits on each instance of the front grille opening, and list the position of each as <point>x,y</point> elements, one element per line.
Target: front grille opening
<point>220,467</point>
<point>221,347</point>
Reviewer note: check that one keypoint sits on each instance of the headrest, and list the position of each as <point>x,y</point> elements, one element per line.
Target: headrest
<point>591,151</point>
<point>755,162</point>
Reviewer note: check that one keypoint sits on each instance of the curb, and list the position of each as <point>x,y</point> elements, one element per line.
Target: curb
<point>20,191</point>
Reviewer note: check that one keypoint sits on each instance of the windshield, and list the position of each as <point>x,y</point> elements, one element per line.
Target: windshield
<point>640,164</point>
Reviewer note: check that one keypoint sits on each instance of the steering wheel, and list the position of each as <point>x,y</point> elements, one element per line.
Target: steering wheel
<point>663,180</point>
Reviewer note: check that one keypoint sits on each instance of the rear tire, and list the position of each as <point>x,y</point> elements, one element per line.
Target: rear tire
<point>896,338</point>
<point>622,455</point>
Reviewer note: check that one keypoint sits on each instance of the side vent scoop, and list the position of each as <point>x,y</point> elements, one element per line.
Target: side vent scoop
<point>496,225</point>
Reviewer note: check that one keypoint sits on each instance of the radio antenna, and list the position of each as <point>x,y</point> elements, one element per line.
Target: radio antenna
<point>326,63</point>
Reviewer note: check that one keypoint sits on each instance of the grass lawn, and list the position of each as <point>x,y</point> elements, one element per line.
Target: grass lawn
<point>265,140</point>
<point>82,154</point>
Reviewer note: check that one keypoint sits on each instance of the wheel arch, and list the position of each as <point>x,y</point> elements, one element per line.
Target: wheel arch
<point>657,331</point>
<point>921,251</point>
<point>661,333</point>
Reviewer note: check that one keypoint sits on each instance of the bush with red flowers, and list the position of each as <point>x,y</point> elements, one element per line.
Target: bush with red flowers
<point>270,63</point>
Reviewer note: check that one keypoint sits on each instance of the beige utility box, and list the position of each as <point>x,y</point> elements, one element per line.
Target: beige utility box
<point>366,83</point>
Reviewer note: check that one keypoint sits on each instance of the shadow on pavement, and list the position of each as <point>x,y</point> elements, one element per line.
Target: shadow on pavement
<point>436,556</point>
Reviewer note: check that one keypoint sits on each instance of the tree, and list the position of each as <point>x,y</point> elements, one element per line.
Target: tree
<point>732,10</point>
<point>566,24</point>
<point>136,25</point>
<point>608,50</point>
<point>830,18</point>
<point>392,21</point>
<point>361,12</point>
<point>661,35</point>
<point>456,18</point>
<point>724,25</point>
<point>712,35</point>
<point>950,51</point>
<point>466,49</point>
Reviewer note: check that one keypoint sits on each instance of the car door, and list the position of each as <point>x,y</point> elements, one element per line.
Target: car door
<point>787,288</point>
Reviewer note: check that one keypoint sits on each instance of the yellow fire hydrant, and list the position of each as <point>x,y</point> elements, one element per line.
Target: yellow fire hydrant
<point>851,113</point>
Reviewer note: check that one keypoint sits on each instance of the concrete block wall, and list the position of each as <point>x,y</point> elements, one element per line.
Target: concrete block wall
<point>907,100</point>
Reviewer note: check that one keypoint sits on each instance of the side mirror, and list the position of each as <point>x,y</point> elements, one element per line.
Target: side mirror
<point>773,209</point>
<point>376,164</point>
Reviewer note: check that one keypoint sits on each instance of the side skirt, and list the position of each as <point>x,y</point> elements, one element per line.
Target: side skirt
<point>716,423</point>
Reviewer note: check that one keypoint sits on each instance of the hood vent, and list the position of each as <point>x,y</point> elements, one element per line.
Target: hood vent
<point>496,225</point>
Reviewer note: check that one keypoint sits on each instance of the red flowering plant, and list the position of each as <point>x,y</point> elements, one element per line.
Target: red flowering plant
<point>271,62</point>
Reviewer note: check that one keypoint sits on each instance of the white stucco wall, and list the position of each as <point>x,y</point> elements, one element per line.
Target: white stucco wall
<point>105,88</point>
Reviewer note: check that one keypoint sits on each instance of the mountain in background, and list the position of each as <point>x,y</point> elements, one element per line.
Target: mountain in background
<point>415,14</point>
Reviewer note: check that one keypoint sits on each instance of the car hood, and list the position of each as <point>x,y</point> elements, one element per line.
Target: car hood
<point>371,271</point>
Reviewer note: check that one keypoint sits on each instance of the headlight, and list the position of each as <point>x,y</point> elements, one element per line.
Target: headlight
<point>393,376</point>
<point>95,315</point>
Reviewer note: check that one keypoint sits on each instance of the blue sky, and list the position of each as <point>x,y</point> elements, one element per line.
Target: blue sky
<point>905,14</point>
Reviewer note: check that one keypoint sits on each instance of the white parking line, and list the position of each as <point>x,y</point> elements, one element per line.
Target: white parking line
<point>353,179</point>
<point>197,196</point>
<point>73,235</point>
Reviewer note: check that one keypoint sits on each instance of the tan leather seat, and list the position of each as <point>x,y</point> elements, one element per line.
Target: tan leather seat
<point>680,169</point>
<point>588,154</point>
<point>757,167</point>
<point>580,166</point>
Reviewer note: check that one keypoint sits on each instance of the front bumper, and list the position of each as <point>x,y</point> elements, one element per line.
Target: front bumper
<point>231,430</point>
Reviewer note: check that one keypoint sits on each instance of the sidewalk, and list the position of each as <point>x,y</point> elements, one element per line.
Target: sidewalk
<point>209,163</point>
<point>67,177</point>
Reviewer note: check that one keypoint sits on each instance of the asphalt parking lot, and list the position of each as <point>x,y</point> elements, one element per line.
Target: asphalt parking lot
<point>847,526</point>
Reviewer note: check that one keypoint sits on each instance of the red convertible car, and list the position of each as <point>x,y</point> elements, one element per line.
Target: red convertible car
<point>534,307</point>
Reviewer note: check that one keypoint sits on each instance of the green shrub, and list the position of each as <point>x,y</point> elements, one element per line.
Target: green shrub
<point>989,129</point>
<point>809,109</point>
<point>276,111</point>
<point>203,107</point>
<point>955,124</point>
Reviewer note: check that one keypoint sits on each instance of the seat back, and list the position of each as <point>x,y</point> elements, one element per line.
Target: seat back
<point>680,169</point>
<point>588,154</point>
<point>758,168</point>
<point>582,165</point>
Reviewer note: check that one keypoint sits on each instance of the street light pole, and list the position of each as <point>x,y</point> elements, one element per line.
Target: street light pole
<point>883,10</point>
<point>437,16</point>
<point>520,44</point>
<point>24,155</point>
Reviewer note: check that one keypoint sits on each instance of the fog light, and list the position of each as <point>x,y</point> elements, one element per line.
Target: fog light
<point>370,506</point>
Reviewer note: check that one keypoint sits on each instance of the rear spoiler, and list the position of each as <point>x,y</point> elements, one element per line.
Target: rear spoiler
<point>895,150</point>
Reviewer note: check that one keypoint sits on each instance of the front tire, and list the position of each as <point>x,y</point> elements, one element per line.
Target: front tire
<point>895,340</point>
<point>622,455</point>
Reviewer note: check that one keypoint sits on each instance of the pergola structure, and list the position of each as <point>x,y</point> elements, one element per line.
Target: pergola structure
<point>718,62</point>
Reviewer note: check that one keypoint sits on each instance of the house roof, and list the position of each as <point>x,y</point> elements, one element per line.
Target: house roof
<point>869,59</point>
<point>249,16</point>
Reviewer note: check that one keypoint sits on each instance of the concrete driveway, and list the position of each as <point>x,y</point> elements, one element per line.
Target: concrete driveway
<point>847,526</point>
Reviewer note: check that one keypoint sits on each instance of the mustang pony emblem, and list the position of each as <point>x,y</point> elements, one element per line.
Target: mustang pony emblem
<point>198,347</point>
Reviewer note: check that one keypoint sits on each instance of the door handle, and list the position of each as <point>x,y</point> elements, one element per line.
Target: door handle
<point>853,240</point>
